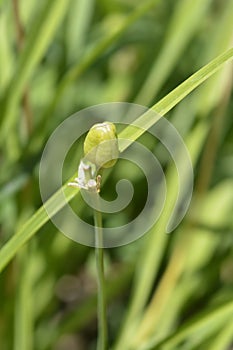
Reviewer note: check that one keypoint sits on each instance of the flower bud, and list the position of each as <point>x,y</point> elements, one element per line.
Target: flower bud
<point>96,148</point>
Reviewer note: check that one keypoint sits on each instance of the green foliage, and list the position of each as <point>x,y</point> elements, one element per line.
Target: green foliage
<point>164,291</point>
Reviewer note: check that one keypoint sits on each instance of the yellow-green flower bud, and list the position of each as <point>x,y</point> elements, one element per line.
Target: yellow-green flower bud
<point>97,150</point>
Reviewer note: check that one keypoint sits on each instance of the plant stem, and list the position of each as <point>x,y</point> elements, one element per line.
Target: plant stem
<point>99,251</point>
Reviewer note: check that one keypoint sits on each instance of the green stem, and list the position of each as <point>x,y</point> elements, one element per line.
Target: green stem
<point>102,317</point>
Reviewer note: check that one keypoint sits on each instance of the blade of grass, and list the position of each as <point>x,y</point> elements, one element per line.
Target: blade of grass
<point>185,289</point>
<point>162,107</point>
<point>152,252</point>
<point>224,339</point>
<point>77,319</point>
<point>88,59</point>
<point>184,23</point>
<point>37,43</point>
<point>78,22</point>
<point>168,287</point>
<point>6,57</point>
<point>208,320</point>
<point>177,263</point>
<point>23,308</point>
<point>175,96</point>
<point>220,41</point>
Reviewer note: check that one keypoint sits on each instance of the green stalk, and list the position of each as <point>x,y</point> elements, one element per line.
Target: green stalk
<point>101,300</point>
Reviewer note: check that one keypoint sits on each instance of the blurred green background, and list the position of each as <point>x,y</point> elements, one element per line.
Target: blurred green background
<point>164,291</point>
